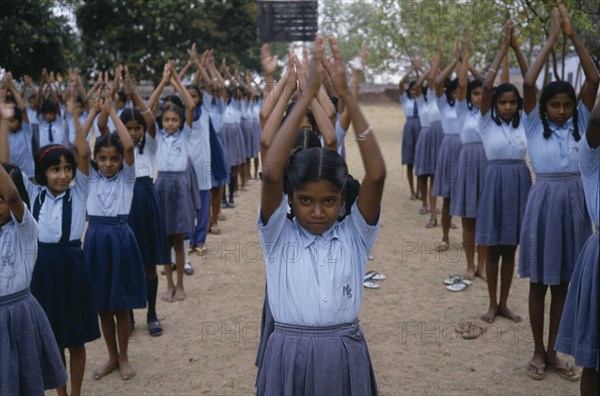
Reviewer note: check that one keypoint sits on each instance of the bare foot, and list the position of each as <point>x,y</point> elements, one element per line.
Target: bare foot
<point>179,294</point>
<point>507,313</point>
<point>127,372</point>
<point>106,368</point>
<point>481,274</point>
<point>470,275</point>
<point>490,316</point>
<point>168,295</point>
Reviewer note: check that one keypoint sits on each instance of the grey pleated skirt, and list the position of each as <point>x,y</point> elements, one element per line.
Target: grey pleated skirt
<point>427,149</point>
<point>472,164</point>
<point>410,135</point>
<point>179,198</point>
<point>447,168</point>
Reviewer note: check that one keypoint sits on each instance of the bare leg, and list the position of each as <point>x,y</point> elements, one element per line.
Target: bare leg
<point>179,294</point>
<point>168,294</point>
<point>557,302</point>
<point>537,295</point>
<point>243,175</point>
<point>446,220</point>
<point>468,225</point>
<point>216,195</point>
<point>491,270</point>
<point>411,182</point>
<point>590,382</point>
<point>422,180</point>
<point>77,356</point>
<point>432,200</point>
<point>256,167</point>
<point>127,372</point>
<point>62,391</point>
<point>481,256</point>
<point>506,275</point>
<point>107,323</point>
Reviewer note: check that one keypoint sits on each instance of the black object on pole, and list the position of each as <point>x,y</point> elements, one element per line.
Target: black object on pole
<point>287,20</point>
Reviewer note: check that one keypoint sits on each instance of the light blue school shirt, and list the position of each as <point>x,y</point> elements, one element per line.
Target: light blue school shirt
<point>21,153</point>
<point>216,113</point>
<point>111,196</point>
<point>315,280</point>
<point>428,110</point>
<point>172,153</point>
<point>199,145</point>
<point>18,252</point>
<point>145,163</point>
<point>469,131</point>
<point>32,115</point>
<point>58,131</point>
<point>232,113</point>
<point>452,120</point>
<point>340,134</point>
<point>558,153</point>
<point>72,130</point>
<point>50,218</point>
<point>245,108</point>
<point>502,142</point>
<point>589,163</point>
<point>408,105</point>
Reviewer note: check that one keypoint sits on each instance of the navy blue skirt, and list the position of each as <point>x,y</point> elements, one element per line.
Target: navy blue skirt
<point>301,360</point>
<point>267,326</point>
<point>555,228</point>
<point>255,148</point>
<point>177,198</point>
<point>427,149</point>
<point>147,221</point>
<point>578,330</point>
<point>29,357</point>
<point>218,160</point>
<point>502,203</point>
<point>410,135</point>
<point>63,286</point>
<point>115,263</point>
<point>472,164</point>
<point>248,132</point>
<point>447,169</point>
<point>233,140</point>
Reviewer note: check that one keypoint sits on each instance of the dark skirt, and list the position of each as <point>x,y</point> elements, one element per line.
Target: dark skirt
<point>233,140</point>
<point>410,135</point>
<point>427,149</point>
<point>472,164</point>
<point>247,130</point>
<point>29,357</point>
<point>267,326</point>
<point>578,330</point>
<point>446,170</point>
<point>502,203</point>
<point>555,228</point>
<point>147,221</point>
<point>62,284</point>
<point>176,198</point>
<point>115,263</point>
<point>255,148</point>
<point>219,166</point>
<point>301,360</point>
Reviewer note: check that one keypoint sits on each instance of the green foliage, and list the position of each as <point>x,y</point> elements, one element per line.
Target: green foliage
<point>144,34</point>
<point>33,37</point>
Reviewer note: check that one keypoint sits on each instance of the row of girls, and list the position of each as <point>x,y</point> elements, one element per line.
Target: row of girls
<point>479,169</point>
<point>132,222</point>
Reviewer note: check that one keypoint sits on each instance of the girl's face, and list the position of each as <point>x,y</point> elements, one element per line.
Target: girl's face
<point>317,206</point>
<point>109,161</point>
<point>136,130</point>
<point>560,108</point>
<point>412,91</point>
<point>171,121</point>
<point>476,97</point>
<point>194,94</point>
<point>78,109</point>
<point>49,116</point>
<point>454,93</point>
<point>59,177</point>
<point>14,124</point>
<point>507,105</point>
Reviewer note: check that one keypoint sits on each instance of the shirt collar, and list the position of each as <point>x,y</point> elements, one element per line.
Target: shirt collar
<point>567,126</point>
<point>308,238</point>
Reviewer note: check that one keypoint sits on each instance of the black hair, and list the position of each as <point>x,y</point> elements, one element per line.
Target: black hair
<point>107,140</point>
<point>471,85</point>
<point>18,115</point>
<point>450,86</point>
<point>50,107</point>
<point>335,100</point>
<point>316,164</point>
<point>198,91</point>
<point>48,156</point>
<point>424,92</point>
<point>122,96</point>
<point>176,100</point>
<point>17,177</point>
<point>79,99</point>
<point>309,115</point>
<point>499,90</point>
<point>410,85</point>
<point>306,138</point>
<point>552,89</point>
<point>135,115</point>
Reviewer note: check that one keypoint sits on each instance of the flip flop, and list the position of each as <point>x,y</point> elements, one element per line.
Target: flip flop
<point>463,327</point>
<point>374,275</point>
<point>459,286</point>
<point>431,224</point>
<point>442,247</point>
<point>155,328</point>
<point>535,372</point>
<point>474,331</point>
<point>423,211</point>
<point>369,284</point>
<point>567,372</point>
<point>453,226</point>
<point>452,279</point>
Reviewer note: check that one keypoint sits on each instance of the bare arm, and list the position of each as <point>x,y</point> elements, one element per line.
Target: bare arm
<point>463,68</point>
<point>490,76</point>
<point>187,98</point>
<point>153,101</point>
<point>592,132</point>
<point>8,190</point>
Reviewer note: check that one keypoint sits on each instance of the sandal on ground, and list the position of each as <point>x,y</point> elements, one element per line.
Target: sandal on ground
<point>423,211</point>
<point>535,372</point>
<point>369,284</point>
<point>374,275</point>
<point>413,197</point>
<point>459,286</point>
<point>473,331</point>
<point>452,279</point>
<point>201,250</point>
<point>188,269</point>
<point>453,226</point>
<point>442,247</point>
<point>222,217</point>
<point>432,223</point>
<point>567,372</point>
<point>215,230</point>
<point>155,328</point>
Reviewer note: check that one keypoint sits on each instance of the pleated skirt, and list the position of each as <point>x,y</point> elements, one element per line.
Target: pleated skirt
<point>556,225</point>
<point>255,148</point>
<point>427,149</point>
<point>410,135</point>
<point>447,168</point>
<point>179,200</point>
<point>248,133</point>
<point>232,137</point>
<point>63,286</point>
<point>472,164</point>
<point>219,164</point>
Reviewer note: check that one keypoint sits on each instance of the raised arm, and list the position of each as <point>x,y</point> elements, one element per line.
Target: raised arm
<point>269,66</point>
<point>139,103</point>
<point>81,147</point>
<point>8,191</point>
<point>153,101</point>
<point>590,90</point>
<point>463,68</point>
<point>18,99</point>
<point>371,191</point>
<point>529,86</point>
<point>272,97</point>
<point>6,112</point>
<point>187,98</point>
<point>490,76</point>
<point>128,154</point>
<point>439,80</point>
<point>592,132</point>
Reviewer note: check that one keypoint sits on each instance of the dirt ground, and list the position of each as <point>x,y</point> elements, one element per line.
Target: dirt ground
<point>210,340</point>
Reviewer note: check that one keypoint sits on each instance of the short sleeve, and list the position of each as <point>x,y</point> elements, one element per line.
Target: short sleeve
<point>28,228</point>
<point>462,107</point>
<point>583,115</point>
<point>442,102</point>
<point>589,159</point>
<point>271,232</point>
<point>206,101</point>
<point>82,185</point>
<point>532,122</point>
<point>186,131</point>
<point>32,189</point>
<point>128,172</point>
<point>367,233</point>
<point>151,142</point>
<point>403,98</point>
<point>484,122</point>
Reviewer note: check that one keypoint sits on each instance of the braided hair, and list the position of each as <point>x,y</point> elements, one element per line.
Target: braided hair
<point>552,89</point>
<point>135,115</point>
<point>450,86</point>
<point>499,90</point>
<point>410,85</point>
<point>476,83</point>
